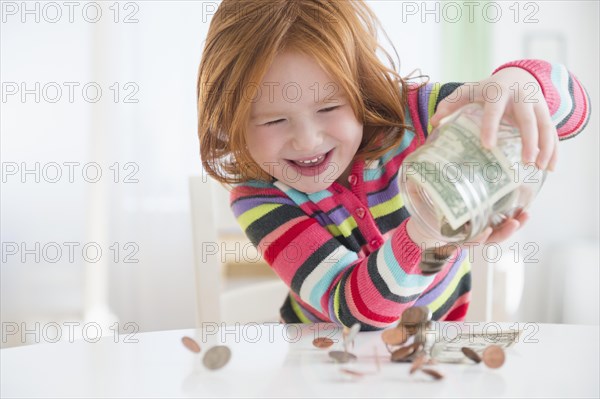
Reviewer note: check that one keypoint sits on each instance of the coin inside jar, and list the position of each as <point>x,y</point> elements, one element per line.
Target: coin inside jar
<point>395,336</point>
<point>191,344</point>
<point>342,356</point>
<point>322,342</point>
<point>448,231</point>
<point>428,268</point>
<point>493,356</point>
<point>216,357</point>
<point>471,354</point>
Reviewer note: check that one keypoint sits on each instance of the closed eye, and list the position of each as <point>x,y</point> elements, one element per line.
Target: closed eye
<point>273,122</point>
<point>329,109</point>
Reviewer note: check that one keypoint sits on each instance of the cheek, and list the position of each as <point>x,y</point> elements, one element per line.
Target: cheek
<point>349,132</point>
<point>350,127</point>
<point>262,146</point>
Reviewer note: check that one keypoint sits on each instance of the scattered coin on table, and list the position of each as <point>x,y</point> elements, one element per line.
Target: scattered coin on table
<point>216,357</point>
<point>493,356</point>
<point>342,356</point>
<point>418,363</point>
<point>348,335</point>
<point>322,342</point>
<point>395,336</point>
<point>191,344</point>
<point>434,373</point>
<point>471,354</point>
<point>353,373</point>
<point>405,353</point>
<point>415,315</point>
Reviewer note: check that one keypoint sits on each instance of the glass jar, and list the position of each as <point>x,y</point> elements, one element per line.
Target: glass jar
<point>455,188</point>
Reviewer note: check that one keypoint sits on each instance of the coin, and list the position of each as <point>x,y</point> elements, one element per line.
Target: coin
<point>434,373</point>
<point>342,356</point>
<point>429,268</point>
<point>353,332</point>
<point>404,353</point>
<point>349,334</point>
<point>401,354</point>
<point>353,373</point>
<point>216,357</point>
<point>418,349</point>
<point>431,362</point>
<point>411,329</point>
<point>417,363</point>
<point>421,332</point>
<point>415,315</point>
<point>448,231</point>
<point>471,354</point>
<point>191,344</point>
<point>395,336</point>
<point>493,356</point>
<point>322,342</point>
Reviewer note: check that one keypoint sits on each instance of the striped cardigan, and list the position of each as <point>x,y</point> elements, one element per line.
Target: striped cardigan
<point>345,253</point>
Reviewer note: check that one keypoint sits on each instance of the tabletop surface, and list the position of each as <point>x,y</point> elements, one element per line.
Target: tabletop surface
<point>279,360</point>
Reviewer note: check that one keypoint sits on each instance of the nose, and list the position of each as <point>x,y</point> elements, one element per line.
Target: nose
<point>307,136</point>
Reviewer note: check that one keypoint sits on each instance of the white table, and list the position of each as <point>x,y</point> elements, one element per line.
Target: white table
<point>279,361</point>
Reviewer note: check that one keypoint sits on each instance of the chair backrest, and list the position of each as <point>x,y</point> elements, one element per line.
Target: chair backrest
<point>256,301</point>
<point>205,241</point>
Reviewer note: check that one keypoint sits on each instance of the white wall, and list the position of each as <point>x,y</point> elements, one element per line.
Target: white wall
<point>564,218</point>
<point>159,54</point>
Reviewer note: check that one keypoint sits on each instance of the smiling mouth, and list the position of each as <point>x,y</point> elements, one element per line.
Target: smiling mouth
<point>311,162</point>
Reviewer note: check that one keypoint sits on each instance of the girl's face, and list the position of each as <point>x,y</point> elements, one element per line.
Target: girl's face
<point>302,130</point>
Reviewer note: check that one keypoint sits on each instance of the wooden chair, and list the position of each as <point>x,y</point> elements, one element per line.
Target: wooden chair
<point>253,302</point>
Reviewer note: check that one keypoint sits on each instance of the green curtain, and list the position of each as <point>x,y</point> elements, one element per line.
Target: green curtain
<point>466,45</point>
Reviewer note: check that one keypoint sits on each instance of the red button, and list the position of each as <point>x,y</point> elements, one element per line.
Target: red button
<point>375,244</point>
<point>360,212</point>
<point>352,179</point>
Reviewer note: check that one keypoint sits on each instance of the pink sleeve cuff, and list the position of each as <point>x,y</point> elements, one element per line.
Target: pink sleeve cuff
<point>567,101</point>
<point>408,253</point>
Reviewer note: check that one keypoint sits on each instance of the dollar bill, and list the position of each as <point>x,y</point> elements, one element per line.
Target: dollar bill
<point>459,175</point>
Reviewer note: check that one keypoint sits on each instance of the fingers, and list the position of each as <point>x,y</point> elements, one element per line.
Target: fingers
<point>502,232</point>
<point>547,135</point>
<point>508,228</point>
<point>448,105</point>
<point>485,235</point>
<point>505,230</point>
<point>526,120</point>
<point>554,158</point>
<point>492,114</point>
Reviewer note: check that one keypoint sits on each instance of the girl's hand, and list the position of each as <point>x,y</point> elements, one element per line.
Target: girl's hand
<point>503,231</point>
<point>489,235</point>
<point>513,92</point>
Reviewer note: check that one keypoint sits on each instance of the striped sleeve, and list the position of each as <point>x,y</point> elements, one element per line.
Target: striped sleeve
<point>337,284</point>
<point>423,102</point>
<point>567,99</point>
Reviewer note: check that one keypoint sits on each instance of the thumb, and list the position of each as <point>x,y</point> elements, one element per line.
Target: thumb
<point>447,107</point>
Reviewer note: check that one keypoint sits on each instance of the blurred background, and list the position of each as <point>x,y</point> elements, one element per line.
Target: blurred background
<point>99,139</point>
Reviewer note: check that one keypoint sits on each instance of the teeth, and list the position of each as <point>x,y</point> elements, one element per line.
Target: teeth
<point>312,161</point>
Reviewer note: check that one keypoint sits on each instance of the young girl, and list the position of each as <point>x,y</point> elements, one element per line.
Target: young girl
<point>300,116</point>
